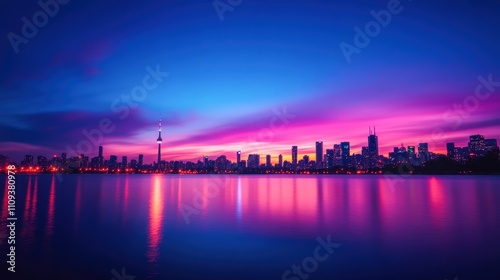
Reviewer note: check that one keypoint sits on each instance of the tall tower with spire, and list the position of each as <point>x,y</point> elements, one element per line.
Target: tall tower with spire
<point>372,147</point>
<point>159,140</point>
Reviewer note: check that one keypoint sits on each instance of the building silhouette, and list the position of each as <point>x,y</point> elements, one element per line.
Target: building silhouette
<point>294,156</point>
<point>423,152</point>
<point>159,141</point>
<point>319,154</point>
<point>372,148</point>
<point>346,151</point>
<point>253,161</point>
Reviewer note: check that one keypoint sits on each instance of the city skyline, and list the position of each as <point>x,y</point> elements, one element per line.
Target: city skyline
<point>477,145</point>
<point>223,85</point>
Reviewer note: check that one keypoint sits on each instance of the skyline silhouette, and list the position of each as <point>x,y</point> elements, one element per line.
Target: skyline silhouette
<point>337,156</point>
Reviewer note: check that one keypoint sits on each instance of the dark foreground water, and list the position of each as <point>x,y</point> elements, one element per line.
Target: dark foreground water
<point>254,227</point>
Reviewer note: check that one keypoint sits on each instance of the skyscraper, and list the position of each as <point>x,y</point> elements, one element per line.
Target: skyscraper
<point>268,161</point>
<point>476,144</point>
<point>112,161</point>
<point>423,151</point>
<point>253,161</point>
<point>124,161</point>
<point>319,154</point>
<point>101,157</point>
<point>411,154</point>
<point>238,157</point>
<point>329,158</point>
<point>346,151</point>
<point>450,150</point>
<point>280,161</point>
<point>372,148</point>
<point>159,140</point>
<point>141,160</point>
<point>294,156</point>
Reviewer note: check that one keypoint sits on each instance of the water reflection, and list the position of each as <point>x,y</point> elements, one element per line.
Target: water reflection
<point>155,220</point>
<point>51,208</point>
<point>439,214</point>
<point>28,228</point>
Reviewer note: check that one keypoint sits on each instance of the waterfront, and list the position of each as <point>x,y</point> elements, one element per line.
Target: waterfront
<point>255,226</point>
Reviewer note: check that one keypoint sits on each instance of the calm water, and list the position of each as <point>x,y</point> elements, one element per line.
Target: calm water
<point>254,227</point>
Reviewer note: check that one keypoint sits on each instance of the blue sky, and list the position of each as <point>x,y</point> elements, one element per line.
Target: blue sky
<point>226,77</point>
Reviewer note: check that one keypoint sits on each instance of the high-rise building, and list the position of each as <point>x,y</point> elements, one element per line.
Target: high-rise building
<point>411,154</point>
<point>329,158</point>
<point>372,148</point>
<point>491,144</point>
<point>221,164</point>
<point>294,156</point>
<point>141,160</point>
<point>423,151</point>
<point>280,161</point>
<point>101,156</point>
<point>477,145</point>
<point>268,161</point>
<point>124,162</point>
<point>365,156</point>
<point>450,150</point>
<point>346,151</point>
<point>319,154</point>
<point>238,157</point>
<point>253,161</point>
<point>159,141</point>
<point>205,161</point>
<point>113,160</point>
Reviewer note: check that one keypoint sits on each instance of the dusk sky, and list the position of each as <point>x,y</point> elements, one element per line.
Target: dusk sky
<point>228,78</point>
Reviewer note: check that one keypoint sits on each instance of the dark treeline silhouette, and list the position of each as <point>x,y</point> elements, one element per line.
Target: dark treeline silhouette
<point>487,164</point>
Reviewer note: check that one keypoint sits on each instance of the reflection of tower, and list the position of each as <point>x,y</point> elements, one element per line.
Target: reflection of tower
<point>159,140</point>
